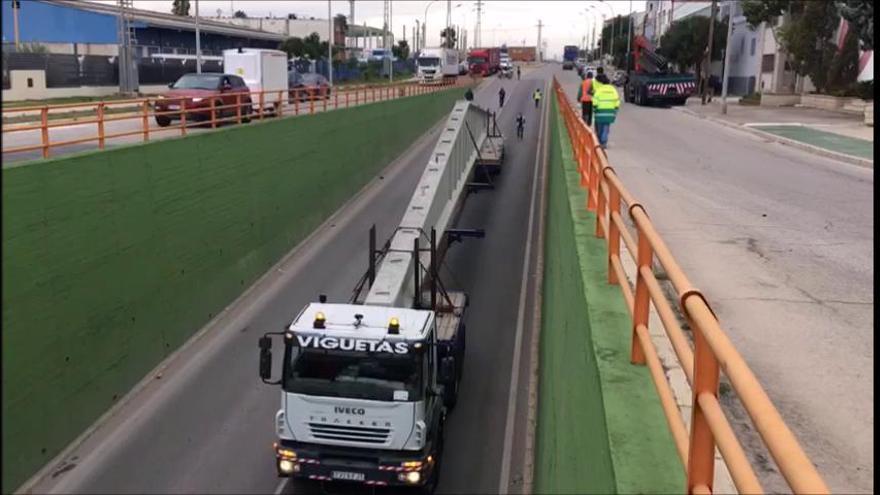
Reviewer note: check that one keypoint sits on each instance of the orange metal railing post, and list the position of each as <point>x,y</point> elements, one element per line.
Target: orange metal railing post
<point>701,454</point>
<point>601,206</point>
<point>281,103</point>
<point>324,97</point>
<point>213,114</point>
<point>296,101</point>
<point>335,100</point>
<point>44,130</point>
<point>237,108</point>
<point>101,125</point>
<point>311,93</point>
<point>262,104</point>
<point>346,98</point>
<point>642,302</point>
<point>146,120</point>
<point>613,231</point>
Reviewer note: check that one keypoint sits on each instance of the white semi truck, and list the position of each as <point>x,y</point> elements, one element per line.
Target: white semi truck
<point>436,65</point>
<point>366,385</point>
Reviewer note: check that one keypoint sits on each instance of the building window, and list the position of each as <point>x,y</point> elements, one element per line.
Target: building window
<point>752,47</point>
<point>767,62</point>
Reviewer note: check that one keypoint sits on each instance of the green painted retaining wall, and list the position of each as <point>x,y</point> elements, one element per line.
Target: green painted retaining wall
<point>112,259</point>
<point>600,426</point>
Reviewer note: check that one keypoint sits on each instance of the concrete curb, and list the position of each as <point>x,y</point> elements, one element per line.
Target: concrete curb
<point>853,160</point>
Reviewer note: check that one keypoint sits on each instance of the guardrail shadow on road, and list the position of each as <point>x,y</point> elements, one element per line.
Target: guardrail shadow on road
<point>712,352</point>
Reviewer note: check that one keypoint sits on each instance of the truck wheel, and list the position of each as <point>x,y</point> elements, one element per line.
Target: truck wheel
<point>450,394</point>
<point>163,120</point>
<point>431,485</point>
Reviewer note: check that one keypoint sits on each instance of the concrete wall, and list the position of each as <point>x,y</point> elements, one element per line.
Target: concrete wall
<point>779,100</point>
<point>113,259</point>
<point>20,89</point>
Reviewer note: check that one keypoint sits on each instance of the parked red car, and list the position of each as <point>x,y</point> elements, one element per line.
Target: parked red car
<point>307,86</point>
<point>197,91</point>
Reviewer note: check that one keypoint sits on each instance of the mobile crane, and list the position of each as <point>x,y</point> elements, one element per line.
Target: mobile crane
<point>366,385</point>
<point>651,80</point>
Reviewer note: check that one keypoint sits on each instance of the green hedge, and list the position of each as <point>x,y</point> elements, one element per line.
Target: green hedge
<point>113,259</point>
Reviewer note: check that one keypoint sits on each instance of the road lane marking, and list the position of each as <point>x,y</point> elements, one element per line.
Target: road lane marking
<point>504,480</point>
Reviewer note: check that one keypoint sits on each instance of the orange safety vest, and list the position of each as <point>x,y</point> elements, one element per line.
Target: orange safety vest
<point>585,90</point>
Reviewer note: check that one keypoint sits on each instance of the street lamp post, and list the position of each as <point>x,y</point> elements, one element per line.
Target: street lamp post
<point>610,9</point>
<point>330,40</point>
<point>726,69</point>
<point>425,24</point>
<point>198,42</point>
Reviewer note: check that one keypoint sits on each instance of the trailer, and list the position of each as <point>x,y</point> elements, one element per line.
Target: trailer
<point>262,70</point>
<point>651,81</point>
<point>367,384</point>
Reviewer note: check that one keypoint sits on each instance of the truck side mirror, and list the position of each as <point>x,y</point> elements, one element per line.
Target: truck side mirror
<point>447,370</point>
<point>171,85</point>
<point>265,358</point>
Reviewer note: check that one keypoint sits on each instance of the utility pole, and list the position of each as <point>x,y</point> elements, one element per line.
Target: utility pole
<point>540,53</point>
<point>726,69</point>
<point>629,33</point>
<point>16,4</point>
<point>417,37</point>
<point>478,37</point>
<point>351,12</point>
<point>708,58</point>
<point>330,39</point>
<point>127,76</point>
<point>198,42</point>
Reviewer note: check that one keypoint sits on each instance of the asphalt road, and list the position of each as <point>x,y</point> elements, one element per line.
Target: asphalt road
<point>206,426</point>
<point>781,242</point>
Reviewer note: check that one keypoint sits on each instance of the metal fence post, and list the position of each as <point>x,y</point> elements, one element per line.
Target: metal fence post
<point>325,97</point>
<point>335,100</point>
<point>346,98</point>
<point>601,206</point>
<point>642,303</point>
<point>296,101</point>
<point>311,93</point>
<point>614,232</point>
<point>281,103</point>
<point>101,125</point>
<point>262,104</point>
<point>213,114</point>
<point>701,453</point>
<point>237,107</point>
<point>146,120</point>
<point>183,116</point>
<point>44,130</point>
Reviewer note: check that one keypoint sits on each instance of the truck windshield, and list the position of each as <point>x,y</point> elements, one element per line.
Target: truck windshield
<point>429,61</point>
<point>377,376</point>
<point>476,60</point>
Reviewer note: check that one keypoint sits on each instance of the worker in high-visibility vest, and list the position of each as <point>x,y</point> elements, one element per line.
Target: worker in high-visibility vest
<point>537,96</point>
<point>585,96</point>
<point>606,102</point>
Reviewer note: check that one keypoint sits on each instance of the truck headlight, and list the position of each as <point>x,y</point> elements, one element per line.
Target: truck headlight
<point>411,477</point>
<point>197,100</point>
<point>287,466</point>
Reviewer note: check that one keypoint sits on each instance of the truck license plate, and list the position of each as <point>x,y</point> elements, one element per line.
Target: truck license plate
<point>347,476</point>
<point>173,107</point>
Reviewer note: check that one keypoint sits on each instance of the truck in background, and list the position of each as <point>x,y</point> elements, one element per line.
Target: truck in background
<point>569,55</point>
<point>484,61</point>
<point>436,65</point>
<point>650,81</point>
<point>262,70</point>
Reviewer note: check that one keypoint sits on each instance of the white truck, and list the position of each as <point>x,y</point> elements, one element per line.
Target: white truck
<point>262,70</point>
<point>366,385</point>
<point>436,65</point>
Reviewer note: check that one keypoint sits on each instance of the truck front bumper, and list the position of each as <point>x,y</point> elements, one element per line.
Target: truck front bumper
<point>365,466</point>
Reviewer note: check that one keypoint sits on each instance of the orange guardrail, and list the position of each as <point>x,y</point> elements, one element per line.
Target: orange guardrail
<point>712,350</point>
<point>157,114</point>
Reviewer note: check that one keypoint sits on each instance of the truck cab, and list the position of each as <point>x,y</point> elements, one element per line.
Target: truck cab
<point>364,394</point>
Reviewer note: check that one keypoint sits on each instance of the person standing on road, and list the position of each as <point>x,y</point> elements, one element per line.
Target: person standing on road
<point>520,125</point>
<point>585,96</point>
<point>469,95</point>
<point>517,73</point>
<point>605,104</point>
<point>537,97</point>
<point>501,94</point>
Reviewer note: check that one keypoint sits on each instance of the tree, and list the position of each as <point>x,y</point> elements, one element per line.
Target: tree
<point>448,35</point>
<point>684,44</point>
<point>401,50</point>
<point>180,7</point>
<point>806,36</point>
<point>240,14</point>
<point>860,15</point>
<point>295,47</point>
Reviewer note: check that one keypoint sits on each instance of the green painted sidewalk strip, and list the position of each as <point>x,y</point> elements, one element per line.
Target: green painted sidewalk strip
<point>600,426</point>
<point>822,139</point>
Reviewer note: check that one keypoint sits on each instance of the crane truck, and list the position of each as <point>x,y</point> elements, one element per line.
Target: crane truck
<point>651,80</point>
<point>366,385</point>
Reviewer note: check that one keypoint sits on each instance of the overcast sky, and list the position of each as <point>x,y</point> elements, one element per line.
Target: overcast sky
<point>511,22</point>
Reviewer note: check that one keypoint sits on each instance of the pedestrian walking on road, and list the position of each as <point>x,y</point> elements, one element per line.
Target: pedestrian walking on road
<point>517,73</point>
<point>501,94</point>
<point>606,101</point>
<point>585,96</point>
<point>537,97</point>
<point>520,125</point>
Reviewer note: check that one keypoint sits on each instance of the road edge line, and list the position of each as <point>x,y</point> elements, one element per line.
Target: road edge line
<point>504,478</point>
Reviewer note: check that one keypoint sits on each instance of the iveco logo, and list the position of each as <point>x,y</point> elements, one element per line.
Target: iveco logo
<point>349,410</point>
